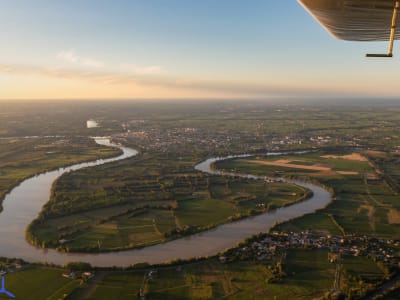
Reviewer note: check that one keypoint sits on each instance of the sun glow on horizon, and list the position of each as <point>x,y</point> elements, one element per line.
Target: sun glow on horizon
<point>143,51</point>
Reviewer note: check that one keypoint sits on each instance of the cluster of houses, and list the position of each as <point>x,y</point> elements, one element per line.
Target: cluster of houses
<point>155,137</point>
<point>11,267</point>
<point>160,139</point>
<point>321,140</point>
<point>75,275</point>
<point>267,246</point>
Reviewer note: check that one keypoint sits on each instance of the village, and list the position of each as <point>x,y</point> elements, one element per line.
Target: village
<point>271,249</point>
<point>272,245</point>
<point>153,137</point>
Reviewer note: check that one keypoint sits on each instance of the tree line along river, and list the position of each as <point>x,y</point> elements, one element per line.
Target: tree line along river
<point>24,202</point>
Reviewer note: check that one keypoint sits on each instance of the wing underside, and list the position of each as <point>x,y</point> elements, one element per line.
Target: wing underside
<point>354,20</point>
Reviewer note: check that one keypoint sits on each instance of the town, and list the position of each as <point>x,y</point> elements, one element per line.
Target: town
<point>269,246</point>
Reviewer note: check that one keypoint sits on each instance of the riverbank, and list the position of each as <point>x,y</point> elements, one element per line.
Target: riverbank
<point>24,158</point>
<point>19,213</point>
<point>148,209</point>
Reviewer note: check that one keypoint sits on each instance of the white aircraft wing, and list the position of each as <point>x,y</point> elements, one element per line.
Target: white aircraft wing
<point>357,20</point>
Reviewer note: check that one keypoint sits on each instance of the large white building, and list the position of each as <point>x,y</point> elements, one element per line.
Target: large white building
<point>91,123</point>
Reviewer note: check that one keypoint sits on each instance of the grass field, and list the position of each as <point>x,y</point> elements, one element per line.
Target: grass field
<point>136,223</point>
<point>364,201</point>
<point>118,286</point>
<point>315,164</point>
<point>148,199</point>
<point>38,283</point>
<point>202,212</point>
<point>21,158</point>
<point>308,272</point>
<point>393,295</point>
<point>151,207</point>
<point>213,280</point>
<point>173,137</point>
<point>308,275</point>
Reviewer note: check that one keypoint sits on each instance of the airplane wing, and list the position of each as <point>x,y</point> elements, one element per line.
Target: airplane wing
<point>357,20</point>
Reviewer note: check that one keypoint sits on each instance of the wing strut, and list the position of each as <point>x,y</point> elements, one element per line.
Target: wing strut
<point>392,33</point>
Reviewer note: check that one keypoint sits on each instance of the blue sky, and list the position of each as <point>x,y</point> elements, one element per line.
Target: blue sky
<point>182,49</point>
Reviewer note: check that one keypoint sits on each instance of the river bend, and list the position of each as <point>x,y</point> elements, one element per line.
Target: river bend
<point>24,202</point>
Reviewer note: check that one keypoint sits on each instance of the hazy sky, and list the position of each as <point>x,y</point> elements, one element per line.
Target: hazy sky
<point>181,49</point>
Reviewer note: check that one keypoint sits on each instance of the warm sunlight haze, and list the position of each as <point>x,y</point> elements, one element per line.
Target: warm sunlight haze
<point>199,150</point>
<point>186,49</point>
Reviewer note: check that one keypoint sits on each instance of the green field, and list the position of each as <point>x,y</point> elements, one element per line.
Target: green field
<point>93,211</point>
<point>308,275</point>
<point>308,160</point>
<point>364,202</point>
<point>21,158</point>
<point>40,283</point>
<point>118,286</point>
<point>360,206</point>
<point>213,280</point>
<point>393,295</point>
<point>157,195</point>
<point>308,272</point>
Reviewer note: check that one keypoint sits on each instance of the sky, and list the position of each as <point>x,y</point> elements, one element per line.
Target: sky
<point>186,49</point>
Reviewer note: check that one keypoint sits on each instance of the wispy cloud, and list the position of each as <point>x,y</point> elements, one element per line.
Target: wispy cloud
<point>143,70</point>
<point>70,56</point>
<point>232,89</point>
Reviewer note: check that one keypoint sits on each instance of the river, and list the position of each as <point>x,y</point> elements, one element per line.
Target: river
<point>25,201</point>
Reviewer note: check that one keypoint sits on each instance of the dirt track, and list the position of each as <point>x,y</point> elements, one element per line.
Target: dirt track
<point>287,164</point>
<point>323,170</point>
<point>353,156</point>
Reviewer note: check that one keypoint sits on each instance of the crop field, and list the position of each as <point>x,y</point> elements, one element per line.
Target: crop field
<point>360,268</point>
<point>201,212</point>
<point>134,203</point>
<point>21,158</point>
<point>393,295</point>
<point>118,286</point>
<point>38,283</point>
<point>308,271</point>
<point>322,223</point>
<point>213,280</point>
<point>364,202</point>
<point>308,275</point>
<point>317,164</point>
<point>157,195</point>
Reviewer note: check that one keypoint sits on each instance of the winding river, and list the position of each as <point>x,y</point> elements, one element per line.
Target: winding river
<point>25,201</point>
